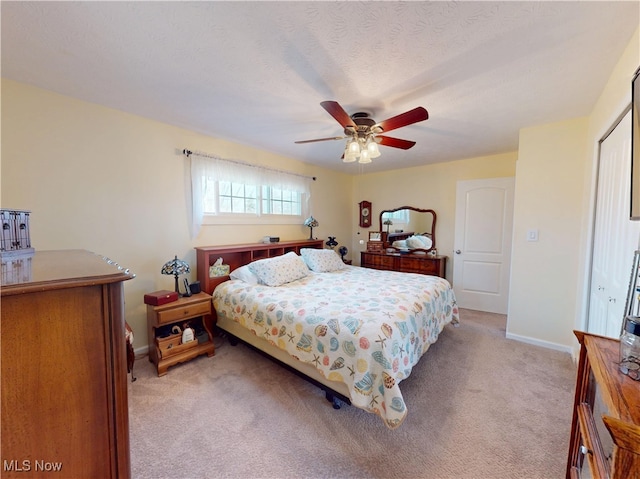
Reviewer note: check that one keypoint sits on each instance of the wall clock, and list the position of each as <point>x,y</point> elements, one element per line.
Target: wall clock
<point>365,214</point>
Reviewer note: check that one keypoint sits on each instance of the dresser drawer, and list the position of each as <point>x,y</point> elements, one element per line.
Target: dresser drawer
<point>419,265</point>
<point>185,312</point>
<point>380,261</point>
<point>406,263</point>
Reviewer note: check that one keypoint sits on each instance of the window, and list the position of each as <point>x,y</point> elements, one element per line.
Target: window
<point>277,201</point>
<point>235,198</point>
<point>229,192</point>
<point>226,197</point>
<point>400,217</point>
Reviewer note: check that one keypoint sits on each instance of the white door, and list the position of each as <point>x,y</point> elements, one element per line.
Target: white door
<point>615,237</point>
<point>482,252</point>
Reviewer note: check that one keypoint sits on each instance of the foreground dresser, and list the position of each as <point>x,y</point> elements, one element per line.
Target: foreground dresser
<point>64,367</point>
<point>605,430</point>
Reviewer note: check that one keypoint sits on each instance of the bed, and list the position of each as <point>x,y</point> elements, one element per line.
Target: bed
<point>355,332</point>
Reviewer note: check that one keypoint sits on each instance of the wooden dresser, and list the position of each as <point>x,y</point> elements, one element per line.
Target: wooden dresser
<point>64,367</point>
<point>605,429</point>
<point>406,263</point>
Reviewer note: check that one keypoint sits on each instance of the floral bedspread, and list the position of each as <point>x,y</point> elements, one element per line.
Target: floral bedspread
<point>364,327</point>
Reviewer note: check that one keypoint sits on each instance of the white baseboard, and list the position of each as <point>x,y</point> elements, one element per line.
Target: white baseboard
<point>538,342</point>
<point>143,351</point>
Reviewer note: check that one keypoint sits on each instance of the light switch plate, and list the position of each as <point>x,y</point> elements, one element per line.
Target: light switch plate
<point>532,235</point>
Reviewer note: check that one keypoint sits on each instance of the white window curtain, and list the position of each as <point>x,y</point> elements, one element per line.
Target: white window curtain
<point>235,171</point>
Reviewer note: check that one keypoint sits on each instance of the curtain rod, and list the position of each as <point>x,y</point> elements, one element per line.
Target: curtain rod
<point>188,153</point>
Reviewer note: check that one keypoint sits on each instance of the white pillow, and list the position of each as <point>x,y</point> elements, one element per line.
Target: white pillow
<point>280,269</point>
<point>243,273</point>
<point>400,244</point>
<point>426,240</point>
<point>419,242</point>
<point>322,260</point>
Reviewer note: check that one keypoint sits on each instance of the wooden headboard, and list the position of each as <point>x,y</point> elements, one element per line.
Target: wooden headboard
<point>240,254</point>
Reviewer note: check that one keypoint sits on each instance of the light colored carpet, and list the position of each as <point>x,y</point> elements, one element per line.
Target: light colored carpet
<point>480,406</point>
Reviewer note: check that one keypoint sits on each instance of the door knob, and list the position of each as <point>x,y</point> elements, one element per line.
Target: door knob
<point>458,251</point>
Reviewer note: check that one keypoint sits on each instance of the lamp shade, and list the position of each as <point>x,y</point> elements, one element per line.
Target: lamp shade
<point>311,223</point>
<point>349,157</point>
<point>372,147</point>
<point>354,147</point>
<point>364,156</point>
<point>175,267</point>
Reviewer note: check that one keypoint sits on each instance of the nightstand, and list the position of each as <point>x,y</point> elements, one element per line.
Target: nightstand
<point>164,322</point>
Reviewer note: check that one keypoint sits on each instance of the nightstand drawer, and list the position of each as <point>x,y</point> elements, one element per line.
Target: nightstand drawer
<point>185,312</point>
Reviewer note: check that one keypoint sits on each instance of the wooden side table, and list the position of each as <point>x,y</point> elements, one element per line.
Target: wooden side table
<point>165,347</point>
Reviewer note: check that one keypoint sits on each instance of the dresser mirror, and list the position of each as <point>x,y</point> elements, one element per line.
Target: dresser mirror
<point>398,224</point>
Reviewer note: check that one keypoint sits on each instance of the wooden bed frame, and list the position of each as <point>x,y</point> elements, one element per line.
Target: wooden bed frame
<point>240,255</point>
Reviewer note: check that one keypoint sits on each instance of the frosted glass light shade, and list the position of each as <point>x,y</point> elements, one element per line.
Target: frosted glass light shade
<point>354,148</point>
<point>348,157</point>
<point>372,147</point>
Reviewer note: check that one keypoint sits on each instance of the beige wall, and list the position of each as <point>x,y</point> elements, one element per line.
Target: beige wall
<point>548,197</point>
<point>613,101</point>
<point>113,183</point>
<point>430,186</point>
<point>555,191</point>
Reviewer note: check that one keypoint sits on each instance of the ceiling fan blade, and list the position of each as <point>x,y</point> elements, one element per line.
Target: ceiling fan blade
<point>335,110</point>
<point>321,139</point>
<point>395,142</point>
<point>407,118</point>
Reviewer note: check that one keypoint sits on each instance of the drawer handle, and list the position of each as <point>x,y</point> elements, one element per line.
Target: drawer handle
<point>585,450</point>
<point>185,312</point>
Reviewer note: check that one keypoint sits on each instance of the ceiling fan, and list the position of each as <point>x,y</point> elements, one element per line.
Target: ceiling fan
<point>364,134</point>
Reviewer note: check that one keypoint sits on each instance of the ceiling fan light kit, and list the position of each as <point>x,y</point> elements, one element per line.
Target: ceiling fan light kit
<point>361,149</point>
<point>363,134</point>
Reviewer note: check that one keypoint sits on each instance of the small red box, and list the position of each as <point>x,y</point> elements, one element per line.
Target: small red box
<point>158,298</point>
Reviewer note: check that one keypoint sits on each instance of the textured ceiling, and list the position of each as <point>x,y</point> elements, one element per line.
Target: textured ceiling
<point>256,72</point>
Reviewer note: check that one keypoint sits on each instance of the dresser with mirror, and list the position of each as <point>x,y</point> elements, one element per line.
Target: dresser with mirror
<point>407,243</point>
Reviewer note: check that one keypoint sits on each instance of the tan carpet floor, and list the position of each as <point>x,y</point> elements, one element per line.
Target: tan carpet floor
<point>480,406</point>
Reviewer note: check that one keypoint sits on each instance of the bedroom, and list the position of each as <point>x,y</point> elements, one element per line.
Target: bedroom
<point>96,177</point>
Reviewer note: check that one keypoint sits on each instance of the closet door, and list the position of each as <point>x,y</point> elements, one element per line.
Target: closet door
<point>615,236</point>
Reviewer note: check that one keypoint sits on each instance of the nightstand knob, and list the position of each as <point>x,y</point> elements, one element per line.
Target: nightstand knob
<point>584,450</point>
